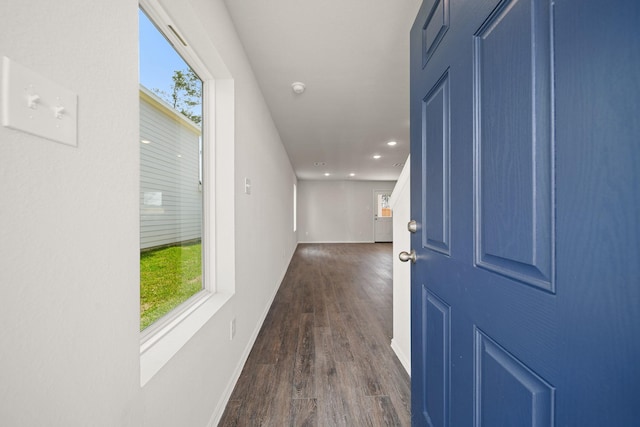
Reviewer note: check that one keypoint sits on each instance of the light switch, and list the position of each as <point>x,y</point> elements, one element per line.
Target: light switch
<point>247,186</point>
<point>34,104</point>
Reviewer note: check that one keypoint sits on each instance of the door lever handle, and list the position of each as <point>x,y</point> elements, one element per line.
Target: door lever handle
<point>406,256</point>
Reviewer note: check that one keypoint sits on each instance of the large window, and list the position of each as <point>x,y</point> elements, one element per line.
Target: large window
<point>171,177</point>
<point>186,158</point>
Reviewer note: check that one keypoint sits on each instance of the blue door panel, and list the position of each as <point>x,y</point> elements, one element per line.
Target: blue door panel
<point>508,393</point>
<point>513,142</point>
<point>435,151</point>
<point>434,27</point>
<point>525,180</point>
<point>436,359</point>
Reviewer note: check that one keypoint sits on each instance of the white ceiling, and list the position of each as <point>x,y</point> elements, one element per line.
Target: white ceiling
<point>353,57</point>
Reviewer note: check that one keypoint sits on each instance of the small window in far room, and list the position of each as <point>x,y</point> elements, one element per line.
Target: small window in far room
<point>171,178</point>
<point>295,207</point>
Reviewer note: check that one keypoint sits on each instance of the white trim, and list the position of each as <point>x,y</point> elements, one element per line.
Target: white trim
<point>222,207</point>
<point>165,324</point>
<point>165,343</point>
<point>295,207</point>
<point>336,241</point>
<point>406,361</point>
<point>402,184</point>
<point>209,173</point>
<point>403,180</point>
<point>226,395</point>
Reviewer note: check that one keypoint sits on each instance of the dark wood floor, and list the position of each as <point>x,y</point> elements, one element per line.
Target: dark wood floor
<point>323,356</point>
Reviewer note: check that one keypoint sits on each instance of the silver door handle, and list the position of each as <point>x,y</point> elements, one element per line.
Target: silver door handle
<point>406,256</point>
<point>412,226</point>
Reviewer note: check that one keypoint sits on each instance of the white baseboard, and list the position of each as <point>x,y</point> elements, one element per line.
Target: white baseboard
<point>406,361</point>
<point>335,241</point>
<point>222,403</point>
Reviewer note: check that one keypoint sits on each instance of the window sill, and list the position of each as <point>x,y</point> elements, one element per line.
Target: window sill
<point>157,350</point>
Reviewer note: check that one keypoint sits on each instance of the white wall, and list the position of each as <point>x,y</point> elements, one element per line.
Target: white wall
<point>337,211</point>
<point>401,205</point>
<point>69,230</point>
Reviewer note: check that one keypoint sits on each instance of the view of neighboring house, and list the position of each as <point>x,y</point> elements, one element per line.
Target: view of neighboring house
<point>170,175</point>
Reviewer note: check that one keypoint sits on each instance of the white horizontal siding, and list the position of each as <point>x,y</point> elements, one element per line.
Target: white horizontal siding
<point>169,165</point>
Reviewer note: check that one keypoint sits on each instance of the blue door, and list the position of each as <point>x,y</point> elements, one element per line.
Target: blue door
<point>525,180</point>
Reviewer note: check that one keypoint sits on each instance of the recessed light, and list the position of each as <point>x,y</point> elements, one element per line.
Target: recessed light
<point>327,174</point>
<point>352,174</point>
<point>145,141</point>
<point>377,156</point>
<point>391,143</point>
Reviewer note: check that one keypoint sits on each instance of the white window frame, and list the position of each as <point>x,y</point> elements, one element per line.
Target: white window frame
<point>295,207</point>
<point>162,340</point>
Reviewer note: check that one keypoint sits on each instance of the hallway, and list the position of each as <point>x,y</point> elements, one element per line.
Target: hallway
<point>323,355</point>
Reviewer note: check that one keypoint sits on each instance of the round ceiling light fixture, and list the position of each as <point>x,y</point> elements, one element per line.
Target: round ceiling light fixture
<point>391,143</point>
<point>298,87</point>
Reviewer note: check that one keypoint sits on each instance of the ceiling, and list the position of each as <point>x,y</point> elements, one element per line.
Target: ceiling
<point>353,57</point>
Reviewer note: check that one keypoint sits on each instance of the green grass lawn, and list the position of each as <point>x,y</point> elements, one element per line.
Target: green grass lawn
<point>168,277</point>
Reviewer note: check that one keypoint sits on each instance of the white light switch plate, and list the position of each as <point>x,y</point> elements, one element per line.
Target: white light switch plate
<point>34,104</point>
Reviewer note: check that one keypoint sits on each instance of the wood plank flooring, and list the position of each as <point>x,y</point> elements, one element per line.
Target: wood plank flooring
<point>323,355</point>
